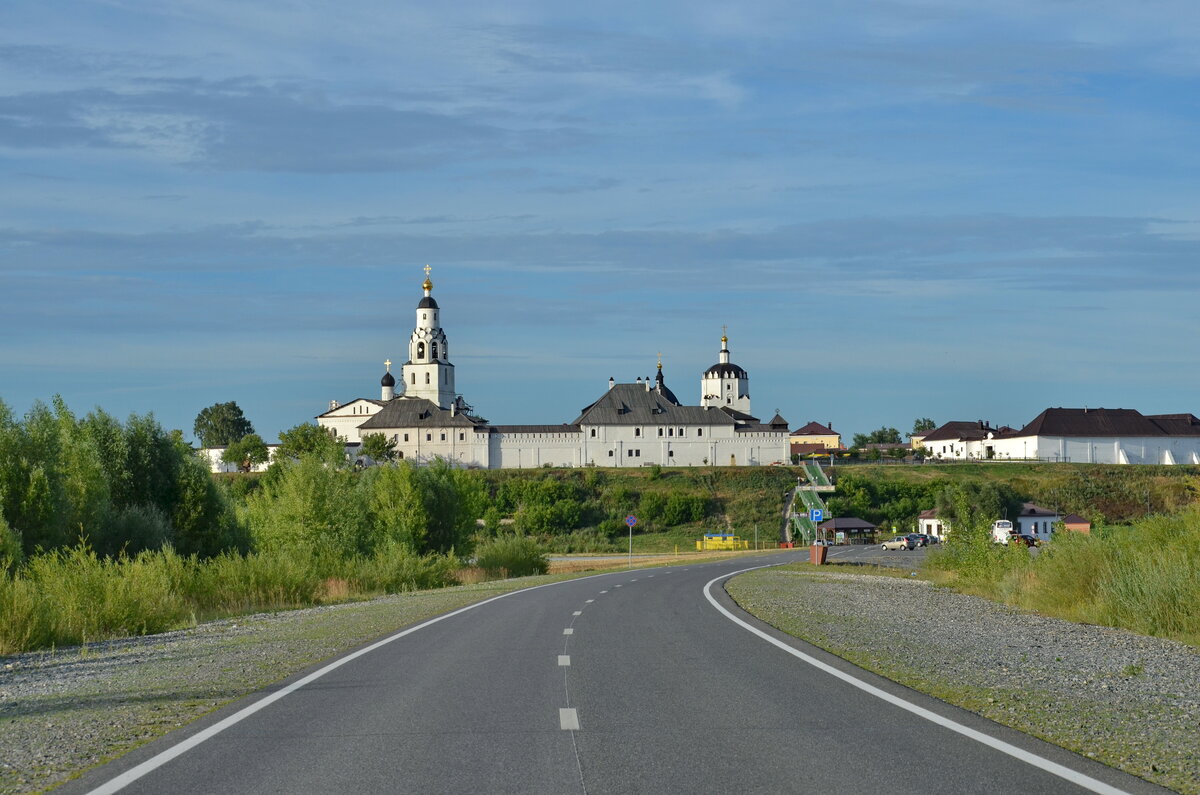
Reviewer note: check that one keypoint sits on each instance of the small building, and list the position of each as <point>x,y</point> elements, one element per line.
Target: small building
<point>1036,521</point>
<point>857,531</point>
<point>805,440</point>
<point>1076,524</point>
<point>930,524</point>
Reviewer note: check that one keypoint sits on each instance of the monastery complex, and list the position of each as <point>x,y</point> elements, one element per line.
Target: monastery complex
<point>636,424</point>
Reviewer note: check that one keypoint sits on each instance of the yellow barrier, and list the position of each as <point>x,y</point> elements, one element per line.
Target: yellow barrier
<point>721,542</point>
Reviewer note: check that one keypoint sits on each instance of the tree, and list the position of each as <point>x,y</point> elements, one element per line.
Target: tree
<point>378,447</point>
<point>881,436</point>
<point>246,452</point>
<point>923,425</point>
<point>310,439</point>
<point>221,424</point>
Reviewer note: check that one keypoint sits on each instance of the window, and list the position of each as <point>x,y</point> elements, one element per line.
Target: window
<point>699,431</point>
<point>593,433</point>
<point>413,376</point>
<point>433,350</point>
<point>670,431</point>
<point>637,431</point>
<point>406,437</point>
<point>728,401</point>
<point>660,431</point>
<point>462,437</point>
<point>427,378</point>
<point>610,453</point>
<point>670,454</point>
<point>629,453</point>
<point>638,453</point>
<point>681,431</point>
<point>423,315</point>
<point>420,350</point>
<point>402,454</point>
<point>443,437</point>
<point>429,437</point>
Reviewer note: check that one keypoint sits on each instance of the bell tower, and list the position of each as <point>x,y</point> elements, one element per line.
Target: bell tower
<point>428,372</point>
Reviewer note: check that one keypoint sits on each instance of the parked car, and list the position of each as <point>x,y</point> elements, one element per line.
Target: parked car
<point>822,542</point>
<point>899,542</point>
<point>1027,540</point>
<point>920,539</point>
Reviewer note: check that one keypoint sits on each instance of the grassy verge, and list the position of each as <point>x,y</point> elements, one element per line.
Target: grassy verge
<point>1083,710</point>
<point>1143,578</point>
<point>72,596</point>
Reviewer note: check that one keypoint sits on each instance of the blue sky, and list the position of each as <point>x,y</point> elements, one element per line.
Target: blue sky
<point>899,209</point>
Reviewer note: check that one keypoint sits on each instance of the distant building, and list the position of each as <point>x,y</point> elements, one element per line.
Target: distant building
<point>930,524</point>
<point>1036,521</point>
<point>858,531</point>
<point>631,424</point>
<point>1076,524</point>
<point>814,438</point>
<point>1094,436</point>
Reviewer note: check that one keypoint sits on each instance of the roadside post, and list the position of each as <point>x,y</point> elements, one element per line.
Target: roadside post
<point>631,520</point>
<point>816,553</point>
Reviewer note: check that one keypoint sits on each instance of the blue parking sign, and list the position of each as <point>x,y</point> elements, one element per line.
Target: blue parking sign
<point>816,514</point>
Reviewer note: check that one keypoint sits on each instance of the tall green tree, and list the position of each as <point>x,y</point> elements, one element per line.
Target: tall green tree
<point>221,424</point>
<point>310,439</point>
<point>378,447</point>
<point>247,452</point>
<point>923,425</point>
<point>883,435</point>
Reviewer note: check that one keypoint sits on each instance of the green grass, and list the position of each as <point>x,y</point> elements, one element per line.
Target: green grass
<point>1143,578</point>
<point>73,596</point>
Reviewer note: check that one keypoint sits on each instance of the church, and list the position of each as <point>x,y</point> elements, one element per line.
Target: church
<point>632,424</point>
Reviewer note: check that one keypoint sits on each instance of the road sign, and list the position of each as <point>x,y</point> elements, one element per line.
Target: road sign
<point>631,520</point>
<point>816,514</point>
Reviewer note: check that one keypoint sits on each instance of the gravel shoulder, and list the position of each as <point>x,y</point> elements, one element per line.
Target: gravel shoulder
<point>1130,701</point>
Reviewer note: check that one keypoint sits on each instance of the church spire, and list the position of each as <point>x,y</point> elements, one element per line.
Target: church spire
<point>428,372</point>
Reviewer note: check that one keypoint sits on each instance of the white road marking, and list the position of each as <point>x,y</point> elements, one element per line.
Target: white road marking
<point>568,631</point>
<point>564,659</point>
<point>577,613</point>
<point>158,760</point>
<point>618,585</point>
<point>589,601</point>
<point>604,592</point>
<point>568,719</point>
<point>1075,777</point>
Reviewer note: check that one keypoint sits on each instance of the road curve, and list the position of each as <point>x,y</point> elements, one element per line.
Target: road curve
<point>631,681</point>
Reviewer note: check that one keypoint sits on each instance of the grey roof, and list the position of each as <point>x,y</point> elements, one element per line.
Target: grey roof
<point>633,404</point>
<point>564,428</point>
<point>1029,509</point>
<point>407,412</point>
<point>846,523</point>
<point>427,303</point>
<point>958,430</point>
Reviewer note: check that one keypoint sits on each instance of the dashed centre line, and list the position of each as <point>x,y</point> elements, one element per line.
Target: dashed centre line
<point>589,601</point>
<point>564,659</point>
<point>568,719</point>
<point>568,631</point>
<point>604,592</point>
<point>577,613</point>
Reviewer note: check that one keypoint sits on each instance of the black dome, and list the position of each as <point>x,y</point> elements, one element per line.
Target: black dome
<point>387,380</point>
<point>427,303</point>
<point>726,370</point>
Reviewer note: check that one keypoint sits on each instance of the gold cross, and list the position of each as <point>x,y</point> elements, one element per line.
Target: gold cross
<point>725,330</point>
<point>427,269</point>
<point>660,360</point>
<point>388,364</point>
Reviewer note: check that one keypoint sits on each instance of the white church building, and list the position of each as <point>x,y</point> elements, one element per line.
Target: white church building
<point>631,424</point>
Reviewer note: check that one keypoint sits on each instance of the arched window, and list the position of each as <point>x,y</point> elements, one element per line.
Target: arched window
<point>433,350</point>
<point>420,350</point>
<point>427,378</point>
<point>413,376</point>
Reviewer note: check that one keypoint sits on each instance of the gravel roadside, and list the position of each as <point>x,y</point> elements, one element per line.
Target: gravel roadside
<point>1130,701</point>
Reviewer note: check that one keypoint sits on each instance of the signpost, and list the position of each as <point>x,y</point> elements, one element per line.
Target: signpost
<point>631,520</point>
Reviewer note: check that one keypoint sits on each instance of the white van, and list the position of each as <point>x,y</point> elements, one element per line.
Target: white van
<point>1002,531</point>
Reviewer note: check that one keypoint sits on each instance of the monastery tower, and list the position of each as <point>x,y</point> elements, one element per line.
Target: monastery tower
<point>428,373</point>
<point>725,385</point>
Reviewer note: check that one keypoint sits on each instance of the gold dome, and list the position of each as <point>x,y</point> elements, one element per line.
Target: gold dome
<point>428,285</point>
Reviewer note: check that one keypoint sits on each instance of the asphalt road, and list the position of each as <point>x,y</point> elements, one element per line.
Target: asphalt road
<point>627,682</point>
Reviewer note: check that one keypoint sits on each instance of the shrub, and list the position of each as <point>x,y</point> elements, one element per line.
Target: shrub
<point>512,556</point>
